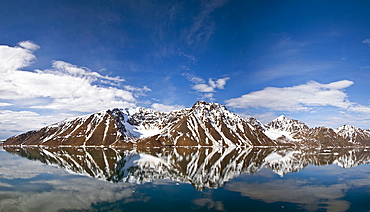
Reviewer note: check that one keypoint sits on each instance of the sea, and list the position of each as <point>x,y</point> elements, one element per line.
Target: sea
<point>34,178</point>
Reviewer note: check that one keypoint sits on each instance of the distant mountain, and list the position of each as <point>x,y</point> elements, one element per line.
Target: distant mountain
<point>204,124</point>
<point>354,135</point>
<point>286,129</point>
<point>294,131</point>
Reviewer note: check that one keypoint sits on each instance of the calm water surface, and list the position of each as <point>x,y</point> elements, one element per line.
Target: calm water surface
<point>184,179</point>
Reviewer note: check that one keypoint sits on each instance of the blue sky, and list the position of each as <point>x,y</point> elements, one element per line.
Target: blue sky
<point>308,60</point>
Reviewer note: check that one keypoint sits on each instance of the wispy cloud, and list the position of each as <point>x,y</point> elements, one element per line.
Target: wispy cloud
<point>62,68</point>
<point>287,46</point>
<point>293,68</point>
<point>367,41</point>
<point>189,57</point>
<point>203,27</point>
<point>194,79</point>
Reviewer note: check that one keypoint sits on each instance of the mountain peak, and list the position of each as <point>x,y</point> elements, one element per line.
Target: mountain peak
<point>285,124</point>
<point>281,118</point>
<point>206,104</point>
<point>202,105</point>
<point>347,127</point>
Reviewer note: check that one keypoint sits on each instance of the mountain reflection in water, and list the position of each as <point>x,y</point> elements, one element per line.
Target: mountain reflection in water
<point>202,167</point>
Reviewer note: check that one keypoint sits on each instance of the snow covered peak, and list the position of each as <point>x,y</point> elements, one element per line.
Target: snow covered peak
<point>281,118</point>
<point>208,106</point>
<point>353,134</point>
<point>347,127</point>
<point>289,125</point>
<point>283,128</point>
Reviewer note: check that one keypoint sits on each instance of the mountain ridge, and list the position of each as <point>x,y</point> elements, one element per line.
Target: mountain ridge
<point>204,124</point>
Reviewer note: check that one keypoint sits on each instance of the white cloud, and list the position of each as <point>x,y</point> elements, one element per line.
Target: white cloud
<point>2,104</point>
<point>137,91</point>
<point>203,88</point>
<point>367,41</point>
<point>15,122</point>
<point>166,108</point>
<point>352,117</point>
<point>360,109</point>
<point>206,90</point>
<point>296,98</point>
<point>132,88</point>
<point>207,96</point>
<point>14,58</point>
<point>29,45</point>
<point>66,86</point>
<point>220,83</point>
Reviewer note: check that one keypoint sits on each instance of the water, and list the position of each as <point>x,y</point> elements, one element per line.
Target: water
<point>184,179</point>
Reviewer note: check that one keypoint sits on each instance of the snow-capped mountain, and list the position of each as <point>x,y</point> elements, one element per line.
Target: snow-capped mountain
<point>286,129</point>
<point>212,124</point>
<point>298,133</point>
<point>354,134</point>
<point>289,125</point>
<point>117,127</point>
<point>204,124</point>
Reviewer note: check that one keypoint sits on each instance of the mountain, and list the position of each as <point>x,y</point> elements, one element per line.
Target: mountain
<point>286,129</point>
<point>210,124</point>
<point>294,131</point>
<point>117,127</point>
<point>354,135</point>
<point>204,124</point>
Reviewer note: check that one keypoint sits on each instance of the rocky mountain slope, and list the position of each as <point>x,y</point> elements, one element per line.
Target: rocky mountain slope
<point>205,124</point>
<point>212,124</point>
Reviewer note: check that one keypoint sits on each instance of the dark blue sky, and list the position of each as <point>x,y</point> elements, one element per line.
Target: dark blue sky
<point>309,60</point>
